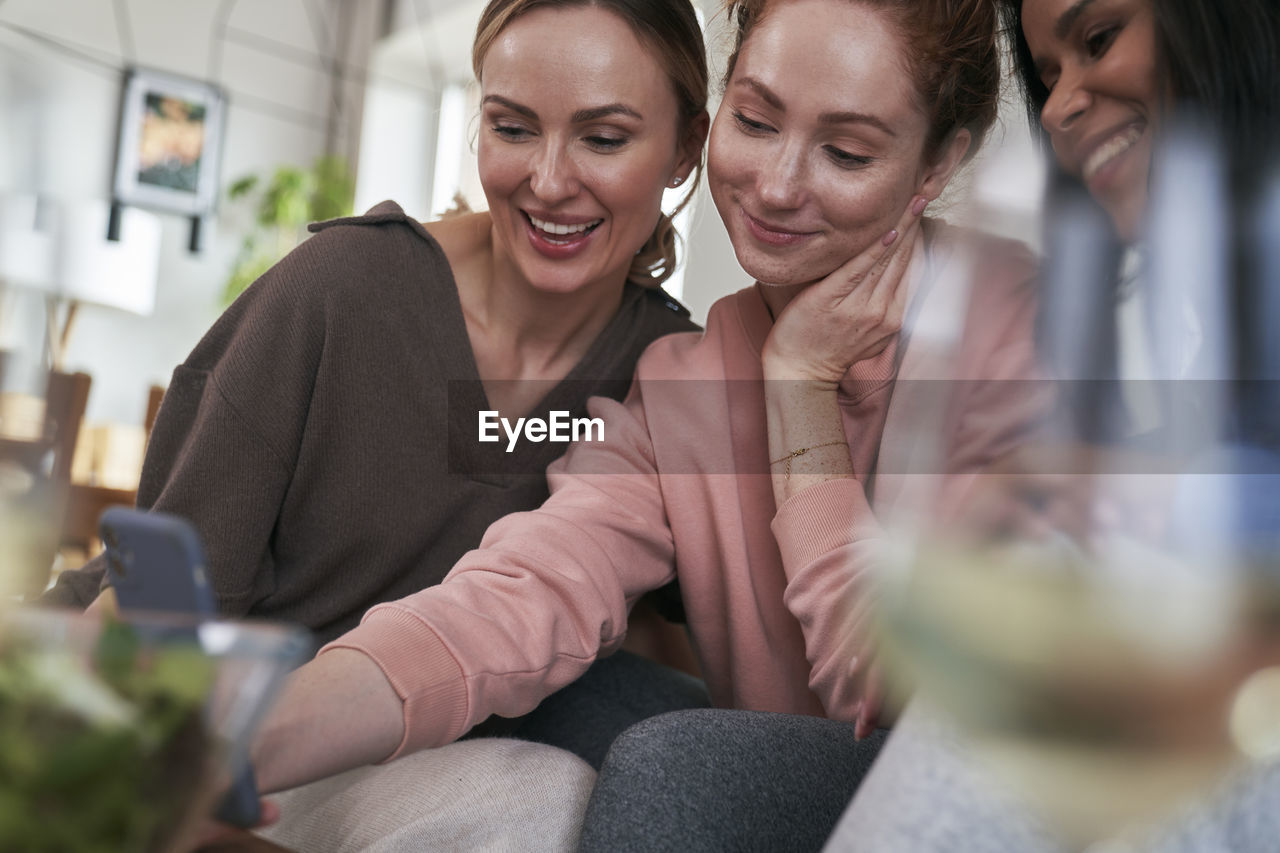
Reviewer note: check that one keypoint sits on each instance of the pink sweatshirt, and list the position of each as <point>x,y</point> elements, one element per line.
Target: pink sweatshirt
<point>775,597</point>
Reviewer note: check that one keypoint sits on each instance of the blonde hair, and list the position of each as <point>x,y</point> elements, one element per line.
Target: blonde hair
<point>670,29</point>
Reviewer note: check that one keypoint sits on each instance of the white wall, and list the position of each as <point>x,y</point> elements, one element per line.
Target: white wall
<point>61,64</point>
<point>711,270</point>
<point>427,50</point>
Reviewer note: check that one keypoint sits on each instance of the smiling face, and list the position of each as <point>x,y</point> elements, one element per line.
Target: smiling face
<point>579,136</point>
<point>817,147</point>
<point>1097,58</point>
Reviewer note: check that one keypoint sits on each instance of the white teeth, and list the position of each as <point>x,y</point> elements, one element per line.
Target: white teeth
<point>562,230</point>
<point>1110,149</point>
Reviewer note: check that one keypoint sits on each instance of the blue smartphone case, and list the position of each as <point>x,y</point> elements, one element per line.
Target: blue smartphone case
<point>155,562</point>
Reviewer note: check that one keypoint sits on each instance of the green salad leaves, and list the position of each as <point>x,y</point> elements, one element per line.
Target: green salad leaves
<point>100,752</point>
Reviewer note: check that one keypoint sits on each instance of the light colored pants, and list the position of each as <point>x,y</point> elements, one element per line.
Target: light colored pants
<point>927,794</point>
<point>489,794</point>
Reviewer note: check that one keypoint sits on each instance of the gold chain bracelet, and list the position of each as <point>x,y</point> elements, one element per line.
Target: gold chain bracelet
<point>800,452</point>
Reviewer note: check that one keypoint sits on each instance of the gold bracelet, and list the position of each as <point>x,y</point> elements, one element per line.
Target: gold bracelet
<point>801,452</point>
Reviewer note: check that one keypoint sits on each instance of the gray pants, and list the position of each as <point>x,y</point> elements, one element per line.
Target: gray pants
<point>615,693</point>
<point>715,780</point>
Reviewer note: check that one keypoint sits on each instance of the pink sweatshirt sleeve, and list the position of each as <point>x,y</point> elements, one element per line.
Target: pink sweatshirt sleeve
<point>829,540</point>
<point>545,593</point>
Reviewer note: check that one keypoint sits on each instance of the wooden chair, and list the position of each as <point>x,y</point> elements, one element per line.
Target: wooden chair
<point>66,398</point>
<point>46,459</point>
<point>87,502</point>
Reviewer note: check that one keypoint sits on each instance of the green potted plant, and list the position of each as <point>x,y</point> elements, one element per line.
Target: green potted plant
<point>291,199</point>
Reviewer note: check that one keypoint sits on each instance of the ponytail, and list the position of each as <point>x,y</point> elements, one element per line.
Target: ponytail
<point>656,260</point>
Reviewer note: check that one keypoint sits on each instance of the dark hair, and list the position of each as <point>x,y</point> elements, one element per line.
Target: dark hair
<point>953,56</point>
<point>1219,59</point>
<point>670,29</point>
<point>1218,62</point>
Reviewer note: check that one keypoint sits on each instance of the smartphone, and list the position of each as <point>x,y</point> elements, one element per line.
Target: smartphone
<point>155,562</point>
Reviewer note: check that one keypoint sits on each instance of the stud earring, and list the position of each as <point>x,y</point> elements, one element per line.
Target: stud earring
<point>675,182</point>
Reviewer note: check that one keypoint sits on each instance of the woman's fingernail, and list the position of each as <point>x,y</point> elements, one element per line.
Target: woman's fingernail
<point>919,205</point>
<point>890,237</point>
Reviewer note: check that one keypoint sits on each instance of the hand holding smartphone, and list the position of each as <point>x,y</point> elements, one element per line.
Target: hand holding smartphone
<point>156,562</point>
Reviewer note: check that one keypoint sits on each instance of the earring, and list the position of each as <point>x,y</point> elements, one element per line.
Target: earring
<point>675,182</point>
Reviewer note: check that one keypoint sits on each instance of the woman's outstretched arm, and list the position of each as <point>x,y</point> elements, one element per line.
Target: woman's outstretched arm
<point>336,713</point>
<point>515,620</point>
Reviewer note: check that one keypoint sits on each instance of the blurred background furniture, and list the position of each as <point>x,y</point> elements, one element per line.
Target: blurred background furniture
<point>39,433</point>
<point>65,403</point>
<point>55,255</point>
<point>37,442</point>
<point>99,481</point>
<point>65,253</point>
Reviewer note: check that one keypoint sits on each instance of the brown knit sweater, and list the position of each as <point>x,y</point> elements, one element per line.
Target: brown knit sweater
<point>322,435</point>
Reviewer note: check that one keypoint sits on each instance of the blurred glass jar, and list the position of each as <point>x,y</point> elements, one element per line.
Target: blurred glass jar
<point>1100,611</point>
<point>118,736</point>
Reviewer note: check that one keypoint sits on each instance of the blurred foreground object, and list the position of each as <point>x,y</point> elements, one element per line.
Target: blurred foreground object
<point>1101,613</point>
<point>118,736</point>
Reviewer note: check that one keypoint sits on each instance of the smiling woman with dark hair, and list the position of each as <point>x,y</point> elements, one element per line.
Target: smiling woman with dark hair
<point>1217,61</point>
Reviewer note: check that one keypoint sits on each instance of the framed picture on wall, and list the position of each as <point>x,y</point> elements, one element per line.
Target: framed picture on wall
<point>169,143</point>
